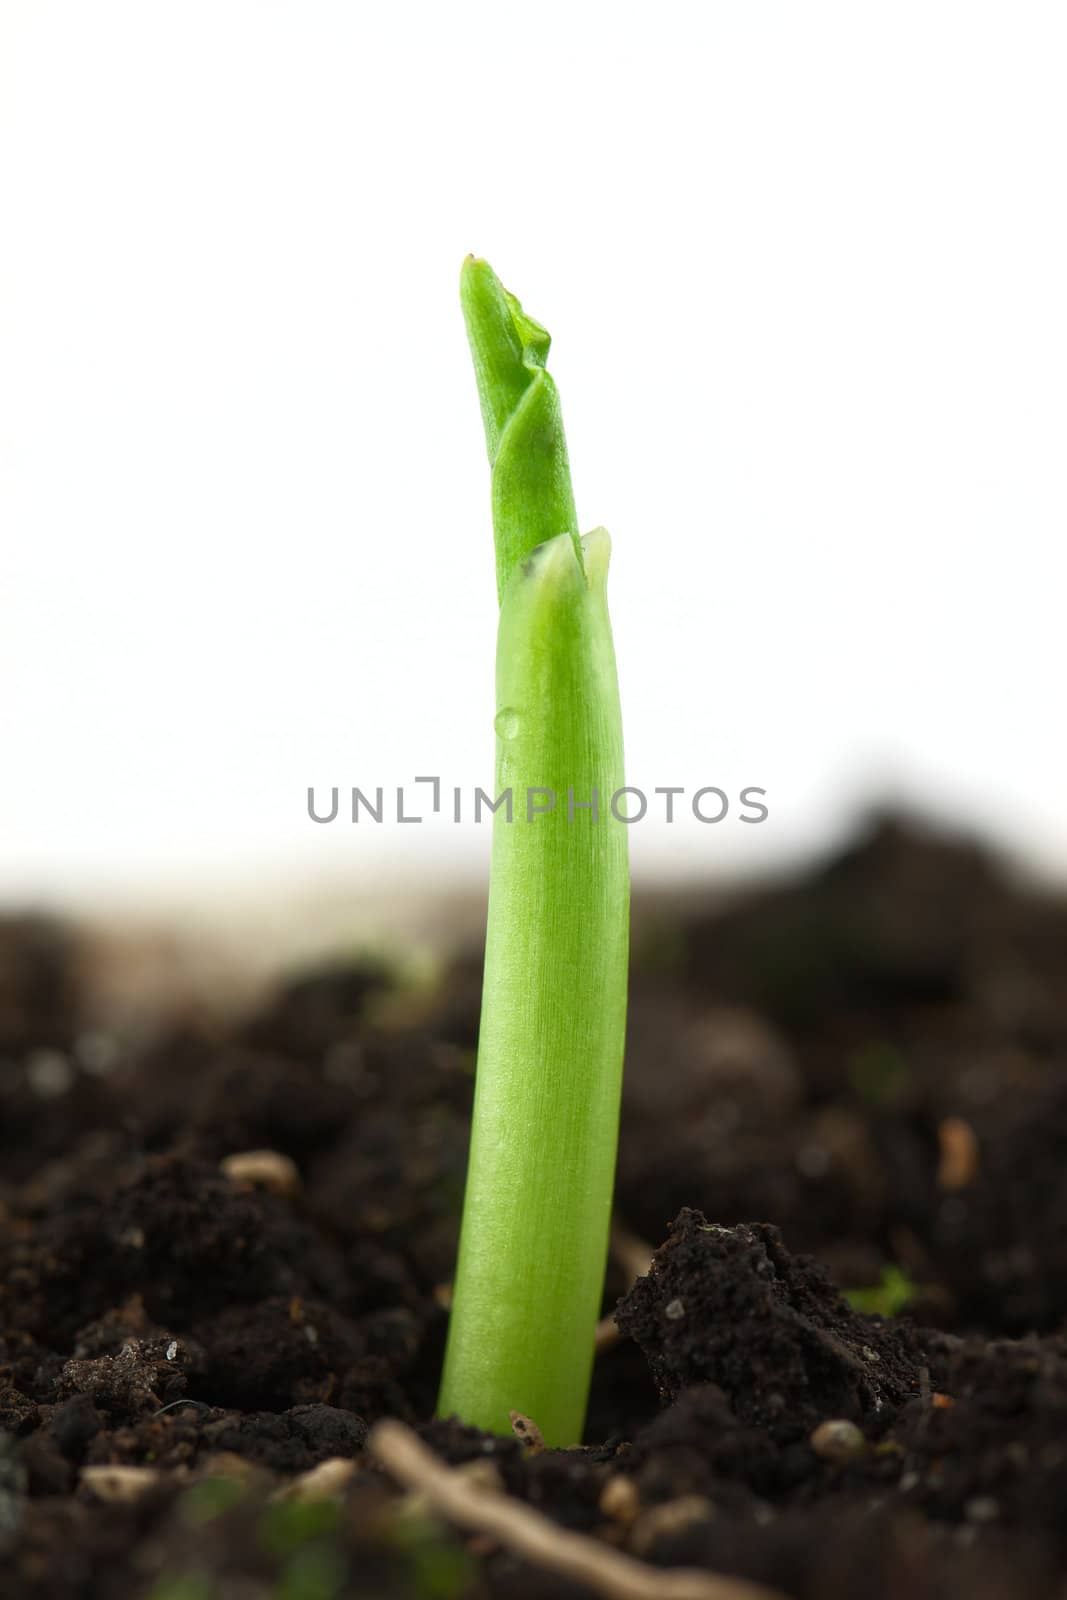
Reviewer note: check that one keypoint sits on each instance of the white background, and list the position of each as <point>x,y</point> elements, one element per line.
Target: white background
<point>805,267</point>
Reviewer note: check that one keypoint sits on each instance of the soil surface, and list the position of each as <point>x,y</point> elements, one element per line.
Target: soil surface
<point>844,1374</point>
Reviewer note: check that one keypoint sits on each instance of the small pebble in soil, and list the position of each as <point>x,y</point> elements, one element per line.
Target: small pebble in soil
<point>50,1074</point>
<point>668,1520</point>
<point>619,1499</point>
<point>674,1310</point>
<point>982,1508</point>
<point>123,1485</point>
<point>838,1440</point>
<point>813,1161</point>
<point>959,1155</point>
<point>526,1431</point>
<point>267,1169</point>
<point>97,1053</point>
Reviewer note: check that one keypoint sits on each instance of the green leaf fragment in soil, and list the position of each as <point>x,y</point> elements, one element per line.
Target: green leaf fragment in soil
<point>888,1298</point>
<point>878,1073</point>
<point>288,1525</point>
<point>208,1499</point>
<point>440,1568</point>
<point>317,1572</point>
<point>186,1586</point>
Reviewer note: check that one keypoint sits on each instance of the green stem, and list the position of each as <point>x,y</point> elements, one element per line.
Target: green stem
<point>538,1202</point>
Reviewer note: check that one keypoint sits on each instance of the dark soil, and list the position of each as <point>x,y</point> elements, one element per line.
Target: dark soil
<point>854,1083</point>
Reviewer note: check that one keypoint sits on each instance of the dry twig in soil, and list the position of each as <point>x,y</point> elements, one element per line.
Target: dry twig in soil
<point>533,1537</point>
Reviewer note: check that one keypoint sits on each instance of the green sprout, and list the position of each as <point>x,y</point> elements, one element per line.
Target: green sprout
<point>887,1298</point>
<point>546,1111</point>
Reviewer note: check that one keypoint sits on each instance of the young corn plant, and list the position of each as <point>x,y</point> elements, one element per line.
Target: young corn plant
<point>537,1208</point>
